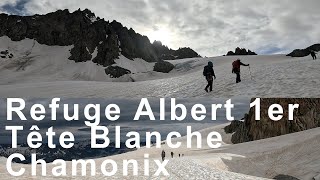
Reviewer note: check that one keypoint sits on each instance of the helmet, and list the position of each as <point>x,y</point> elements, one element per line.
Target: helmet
<point>210,64</point>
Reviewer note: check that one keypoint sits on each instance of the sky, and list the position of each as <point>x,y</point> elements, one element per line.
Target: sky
<point>210,27</point>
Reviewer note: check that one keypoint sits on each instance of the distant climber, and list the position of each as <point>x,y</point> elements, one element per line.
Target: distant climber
<point>236,69</point>
<point>313,54</point>
<point>208,72</point>
<point>171,154</point>
<point>163,155</point>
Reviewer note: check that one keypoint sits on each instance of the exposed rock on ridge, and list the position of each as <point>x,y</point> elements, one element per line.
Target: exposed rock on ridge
<point>306,117</point>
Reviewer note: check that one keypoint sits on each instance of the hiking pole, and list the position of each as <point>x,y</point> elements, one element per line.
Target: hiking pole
<point>250,73</point>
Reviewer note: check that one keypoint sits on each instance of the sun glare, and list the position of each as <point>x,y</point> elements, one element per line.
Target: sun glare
<point>162,35</point>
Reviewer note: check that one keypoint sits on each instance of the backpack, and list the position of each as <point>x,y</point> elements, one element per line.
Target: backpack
<point>205,71</point>
<point>236,65</point>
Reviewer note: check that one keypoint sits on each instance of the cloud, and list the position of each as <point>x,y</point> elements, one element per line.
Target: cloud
<point>14,7</point>
<point>211,27</point>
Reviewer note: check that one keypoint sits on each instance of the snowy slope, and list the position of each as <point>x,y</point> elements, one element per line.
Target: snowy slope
<point>43,71</point>
<point>33,62</point>
<point>51,74</point>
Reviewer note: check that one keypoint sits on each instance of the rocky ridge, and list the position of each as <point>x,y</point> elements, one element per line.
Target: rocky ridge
<point>306,117</point>
<point>304,52</point>
<point>240,52</point>
<point>88,34</point>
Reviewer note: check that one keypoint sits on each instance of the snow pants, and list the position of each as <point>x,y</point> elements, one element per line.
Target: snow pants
<point>314,57</point>
<point>210,84</point>
<point>238,77</point>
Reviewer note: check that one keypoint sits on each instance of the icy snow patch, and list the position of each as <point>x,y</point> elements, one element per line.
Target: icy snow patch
<point>95,53</point>
<point>92,18</point>
<point>135,66</point>
<point>34,62</point>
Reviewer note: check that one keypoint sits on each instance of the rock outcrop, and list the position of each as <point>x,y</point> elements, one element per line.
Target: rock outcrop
<point>163,66</point>
<point>165,53</point>
<point>183,53</point>
<point>6,54</point>
<point>285,177</point>
<point>306,117</point>
<point>299,53</point>
<point>239,131</point>
<point>241,52</point>
<point>233,127</point>
<point>116,71</point>
<point>87,33</point>
<point>304,52</point>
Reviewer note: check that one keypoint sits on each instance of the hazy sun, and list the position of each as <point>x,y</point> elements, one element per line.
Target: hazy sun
<point>161,34</point>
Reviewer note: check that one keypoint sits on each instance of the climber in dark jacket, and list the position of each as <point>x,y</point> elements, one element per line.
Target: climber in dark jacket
<point>236,69</point>
<point>163,155</point>
<point>313,54</point>
<point>208,72</point>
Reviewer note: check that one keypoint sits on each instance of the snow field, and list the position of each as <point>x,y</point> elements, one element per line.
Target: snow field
<point>47,72</point>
